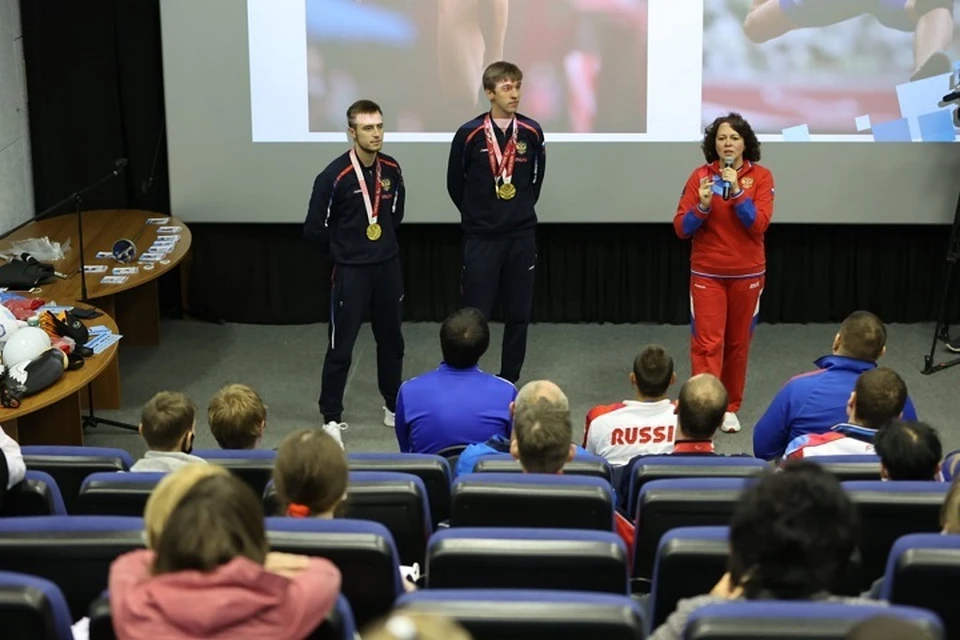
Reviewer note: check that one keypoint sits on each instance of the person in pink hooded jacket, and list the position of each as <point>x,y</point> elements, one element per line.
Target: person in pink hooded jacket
<point>211,575</point>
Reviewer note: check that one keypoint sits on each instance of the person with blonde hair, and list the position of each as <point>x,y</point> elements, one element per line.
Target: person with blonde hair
<point>950,512</point>
<point>237,417</point>
<point>210,573</point>
<point>422,626</point>
<point>167,495</point>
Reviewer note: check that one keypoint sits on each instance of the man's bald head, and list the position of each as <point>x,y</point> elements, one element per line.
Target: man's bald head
<point>542,429</point>
<point>701,406</point>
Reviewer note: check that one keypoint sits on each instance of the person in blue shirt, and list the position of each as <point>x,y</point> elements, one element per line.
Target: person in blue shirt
<point>814,402</point>
<point>457,403</point>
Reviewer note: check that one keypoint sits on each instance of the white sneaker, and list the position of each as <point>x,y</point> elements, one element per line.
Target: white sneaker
<point>333,430</point>
<point>389,418</point>
<point>731,423</point>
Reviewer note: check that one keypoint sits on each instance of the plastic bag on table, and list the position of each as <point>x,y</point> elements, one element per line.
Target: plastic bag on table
<point>43,249</point>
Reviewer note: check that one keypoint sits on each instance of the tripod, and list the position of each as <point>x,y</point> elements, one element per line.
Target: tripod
<point>942,330</point>
<point>91,419</point>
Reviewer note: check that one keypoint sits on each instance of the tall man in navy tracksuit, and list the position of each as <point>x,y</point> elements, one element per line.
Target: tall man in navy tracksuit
<point>494,175</point>
<point>355,210</point>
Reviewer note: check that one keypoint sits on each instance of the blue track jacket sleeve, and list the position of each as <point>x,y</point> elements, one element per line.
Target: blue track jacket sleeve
<point>402,428</point>
<point>910,411</point>
<point>771,434</point>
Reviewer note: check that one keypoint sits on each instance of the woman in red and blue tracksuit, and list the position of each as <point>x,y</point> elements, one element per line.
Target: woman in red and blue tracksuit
<point>726,208</point>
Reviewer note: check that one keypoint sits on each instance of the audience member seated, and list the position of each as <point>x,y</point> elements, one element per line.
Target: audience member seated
<point>457,403</point>
<point>877,398</point>
<point>909,451</point>
<point>643,426</point>
<point>791,538</point>
<point>211,575</point>
<point>168,425</point>
<point>816,401</point>
<point>415,626</point>
<point>16,469</point>
<point>237,417</point>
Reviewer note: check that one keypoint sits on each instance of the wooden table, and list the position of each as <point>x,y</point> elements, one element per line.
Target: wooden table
<point>133,305</point>
<point>53,416</point>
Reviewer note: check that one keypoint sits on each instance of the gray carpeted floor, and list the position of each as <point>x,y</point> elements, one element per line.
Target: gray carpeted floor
<point>590,362</point>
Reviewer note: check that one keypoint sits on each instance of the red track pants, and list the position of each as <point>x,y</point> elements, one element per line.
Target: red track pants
<point>723,314</point>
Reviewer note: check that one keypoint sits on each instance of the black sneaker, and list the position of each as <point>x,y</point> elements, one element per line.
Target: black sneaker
<point>954,345</point>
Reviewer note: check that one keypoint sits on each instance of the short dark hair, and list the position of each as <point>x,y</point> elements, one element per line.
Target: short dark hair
<point>751,146</point>
<point>863,336</point>
<point>881,396</point>
<point>499,71</point>
<point>544,431</point>
<point>653,369</point>
<point>361,107</point>
<point>701,406</point>
<point>464,338</point>
<point>909,450</point>
<point>792,533</point>
<point>218,519</point>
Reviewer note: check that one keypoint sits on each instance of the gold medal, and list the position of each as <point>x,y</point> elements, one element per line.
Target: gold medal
<point>507,191</point>
<point>374,232</point>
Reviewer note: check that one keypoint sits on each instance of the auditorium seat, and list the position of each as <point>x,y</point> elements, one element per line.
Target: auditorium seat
<point>70,465</point>
<point>363,551</point>
<point>434,470</point>
<point>583,466</point>
<point>847,468</point>
<point>689,562</point>
<point>32,608</point>
<point>807,620</point>
<point>531,500</point>
<point>253,466</point>
<point>668,504</point>
<point>117,494</point>
<point>452,454</point>
<point>566,559</point>
<point>650,468</point>
<point>889,510</point>
<point>923,570</point>
<point>398,501</point>
<point>73,552</point>
<point>36,495</point>
<point>339,625</point>
<point>505,614</point>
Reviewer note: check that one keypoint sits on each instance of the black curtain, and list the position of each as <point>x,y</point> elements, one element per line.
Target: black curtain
<point>95,89</point>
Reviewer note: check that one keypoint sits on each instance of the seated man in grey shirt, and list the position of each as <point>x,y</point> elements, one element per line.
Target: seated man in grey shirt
<point>168,425</point>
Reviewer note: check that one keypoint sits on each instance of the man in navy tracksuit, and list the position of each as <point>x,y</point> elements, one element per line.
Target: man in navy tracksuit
<point>494,175</point>
<point>355,210</point>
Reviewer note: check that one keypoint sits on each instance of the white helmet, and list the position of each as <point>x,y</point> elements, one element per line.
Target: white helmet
<point>25,344</point>
<point>8,324</point>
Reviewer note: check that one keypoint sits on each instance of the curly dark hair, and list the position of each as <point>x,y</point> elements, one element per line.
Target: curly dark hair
<point>792,534</point>
<point>751,146</point>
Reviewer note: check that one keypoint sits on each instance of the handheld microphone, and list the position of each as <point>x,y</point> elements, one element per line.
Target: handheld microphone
<point>118,165</point>
<point>727,163</point>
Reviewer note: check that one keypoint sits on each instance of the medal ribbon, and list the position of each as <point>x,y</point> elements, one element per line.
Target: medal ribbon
<point>373,210</point>
<point>501,163</point>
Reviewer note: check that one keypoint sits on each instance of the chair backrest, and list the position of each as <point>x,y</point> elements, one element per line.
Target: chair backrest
<point>561,559</point>
<point>36,495</point>
<point>69,465</point>
<point>689,562</point>
<point>531,500</point>
<point>806,620</point>
<point>32,608</point>
<point>670,467</point>
<point>922,571</point>
<point>847,468</point>
<point>452,454</point>
<point>339,625</point>
<point>583,466</point>
<point>117,494</point>
<point>434,470</point>
<point>363,551</point>
<point>668,504</point>
<point>396,500</point>
<point>499,614</point>
<point>73,552</point>
<point>889,510</point>
<point>253,466</point>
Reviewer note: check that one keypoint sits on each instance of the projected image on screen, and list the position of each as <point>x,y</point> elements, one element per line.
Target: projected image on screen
<point>808,67</point>
<point>584,61</point>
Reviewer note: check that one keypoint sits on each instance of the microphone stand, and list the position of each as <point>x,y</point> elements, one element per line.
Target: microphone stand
<point>90,420</point>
